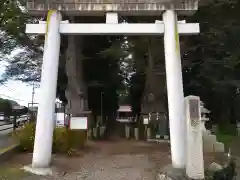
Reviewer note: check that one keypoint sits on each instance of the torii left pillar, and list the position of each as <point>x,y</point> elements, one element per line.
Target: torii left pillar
<point>45,121</point>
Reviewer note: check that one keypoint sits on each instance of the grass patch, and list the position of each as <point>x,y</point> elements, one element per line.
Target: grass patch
<point>226,133</point>
<point>226,139</point>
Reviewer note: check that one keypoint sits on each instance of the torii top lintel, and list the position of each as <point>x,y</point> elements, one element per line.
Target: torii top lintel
<point>124,7</point>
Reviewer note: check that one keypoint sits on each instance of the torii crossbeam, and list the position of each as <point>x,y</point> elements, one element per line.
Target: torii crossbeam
<point>156,28</point>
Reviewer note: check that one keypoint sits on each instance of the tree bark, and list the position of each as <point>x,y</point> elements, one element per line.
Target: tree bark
<point>76,91</point>
<point>155,85</point>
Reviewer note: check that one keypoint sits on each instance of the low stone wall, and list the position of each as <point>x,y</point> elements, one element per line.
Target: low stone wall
<point>210,143</point>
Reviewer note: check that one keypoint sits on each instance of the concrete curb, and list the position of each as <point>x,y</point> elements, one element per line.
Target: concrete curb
<point>7,152</point>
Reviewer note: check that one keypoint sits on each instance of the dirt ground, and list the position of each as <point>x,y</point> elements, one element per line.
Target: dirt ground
<point>102,160</point>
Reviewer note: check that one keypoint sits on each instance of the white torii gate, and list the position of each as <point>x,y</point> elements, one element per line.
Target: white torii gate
<point>53,29</point>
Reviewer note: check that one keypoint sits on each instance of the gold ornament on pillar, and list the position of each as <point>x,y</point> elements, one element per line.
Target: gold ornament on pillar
<point>49,15</point>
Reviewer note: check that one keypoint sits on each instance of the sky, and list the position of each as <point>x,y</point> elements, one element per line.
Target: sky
<point>17,90</point>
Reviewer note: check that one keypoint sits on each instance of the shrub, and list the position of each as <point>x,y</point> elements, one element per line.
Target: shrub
<point>25,136</point>
<point>64,140</point>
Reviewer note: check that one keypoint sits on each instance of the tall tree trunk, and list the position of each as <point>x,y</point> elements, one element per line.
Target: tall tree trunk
<point>76,89</point>
<point>154,93</point>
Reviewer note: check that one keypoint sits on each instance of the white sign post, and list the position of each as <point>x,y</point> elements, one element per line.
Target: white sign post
<point>54,27</point>
<point>78,123</point>
<point>145,121</point>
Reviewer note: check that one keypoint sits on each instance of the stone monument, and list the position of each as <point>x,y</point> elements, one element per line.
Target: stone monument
<point>194,164</point>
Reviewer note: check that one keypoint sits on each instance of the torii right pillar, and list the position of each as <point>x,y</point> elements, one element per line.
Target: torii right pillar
<point>174,89</point>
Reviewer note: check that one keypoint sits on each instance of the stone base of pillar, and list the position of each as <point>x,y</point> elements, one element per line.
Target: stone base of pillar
<point>148,133</point>
<point>39,171</point>
<point>136,133</point>
<point>95,132</point>
<point>171,173</point>
<point>127,132</point>
<point>166,137</point>
<point>102,130</point>
<point>89,134</point>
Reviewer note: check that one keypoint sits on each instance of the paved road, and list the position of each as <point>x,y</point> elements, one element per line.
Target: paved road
<point>5,139</point>
<point>7,127</point>
<point>4,126</point>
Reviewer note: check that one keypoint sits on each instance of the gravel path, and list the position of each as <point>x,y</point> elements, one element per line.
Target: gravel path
<point>114,160</point>
<point>117,167</point>
<point>124,160</point>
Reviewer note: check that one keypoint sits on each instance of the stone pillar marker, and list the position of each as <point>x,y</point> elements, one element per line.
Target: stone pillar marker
<point>45,121</point>
<point>174,89</point>
<point>194,163</point>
